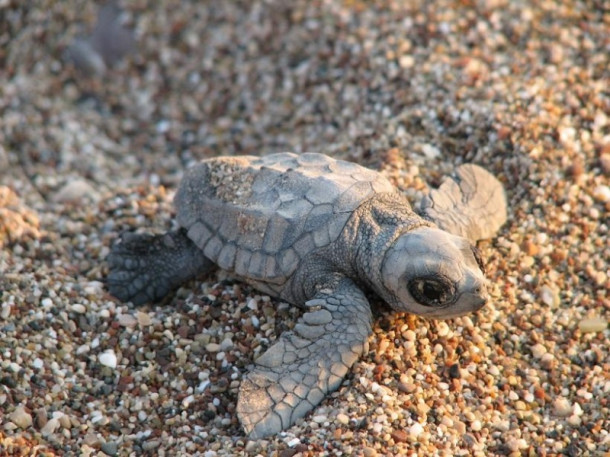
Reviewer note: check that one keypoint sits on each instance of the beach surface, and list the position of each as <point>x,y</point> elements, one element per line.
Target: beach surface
<point>99,122</point>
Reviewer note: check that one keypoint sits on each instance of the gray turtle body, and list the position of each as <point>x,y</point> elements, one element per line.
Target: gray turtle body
<point>260,217</point>
<point>316,232</point>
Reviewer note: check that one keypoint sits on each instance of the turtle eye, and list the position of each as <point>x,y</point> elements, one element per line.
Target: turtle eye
<point>478,258</point>
<point>431,291</point>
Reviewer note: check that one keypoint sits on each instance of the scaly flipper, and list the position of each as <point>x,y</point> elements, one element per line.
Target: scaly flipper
<point>144,268</point>
<point>304,365</point>
<point>472,205</point>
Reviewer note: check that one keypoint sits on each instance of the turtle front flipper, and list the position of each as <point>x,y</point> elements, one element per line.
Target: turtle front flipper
<point>305,364</point>
<point>472,204</point>
<point>144,268</point>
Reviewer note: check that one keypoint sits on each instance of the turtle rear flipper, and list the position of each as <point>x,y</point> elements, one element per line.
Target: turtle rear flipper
<point>145,268</point>
<point>472,204</point>
<point>306,364</point>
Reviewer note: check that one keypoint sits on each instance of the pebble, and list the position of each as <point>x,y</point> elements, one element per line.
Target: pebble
<point>602,193</point>
<point>383,346</point>
<point>549,296</point>
<point>415,430</point>
<point>320,418</point>
<point>593,324</point>
<point>108,359</point>
<point>21,417</point>
<point>538,350</point>
<point>78,308</point>
<point>516,444</point>
<point>562,407</point>
<point>293,442</point>
<point>127,320</point>
<point>92,440</point>
<point>65,421</point>
<point>226,344</point>
<point>212,347</point>
<point>604,160</point>
<point>50,427</point>
<point>369,452</point>
<point>143,319</point>
<point>110,448</point>
<point>343,418</point>
<point>442,329</point>
<point>400,436</point>
<point>76,191</point>
<point>41,418</point>
<point>150,445</point>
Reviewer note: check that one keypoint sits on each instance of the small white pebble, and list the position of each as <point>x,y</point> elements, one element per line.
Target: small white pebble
<point>574,420</point>
<point>406,61</point>
<point>416,429</point>
<point>442,329</point>
<point>203,385</point>
<point>549,296</point>
<point>443,386</point>
<point>562,407</point>
<point>293,442</point>
<point>187,401</point>
<point>409,335</point>
<point>430,151</point>
<point>212,347</point>
<point>538,350</point>
<point>78,308</point>
<point>320,419</point>
<point>476,425</point>
<point>602,193</point>
<point>108,358</point>
<point>46,302</point>
<point>516,444</point>
<point>163,126</point>
<point>5,311</point>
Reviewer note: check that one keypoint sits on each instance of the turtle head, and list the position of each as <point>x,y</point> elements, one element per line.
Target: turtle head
<point>433,273</point>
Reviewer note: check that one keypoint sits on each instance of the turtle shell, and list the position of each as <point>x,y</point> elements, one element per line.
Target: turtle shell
<point>259,216</point>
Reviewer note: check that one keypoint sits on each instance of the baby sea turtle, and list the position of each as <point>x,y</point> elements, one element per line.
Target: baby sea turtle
<point>316,232</point>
